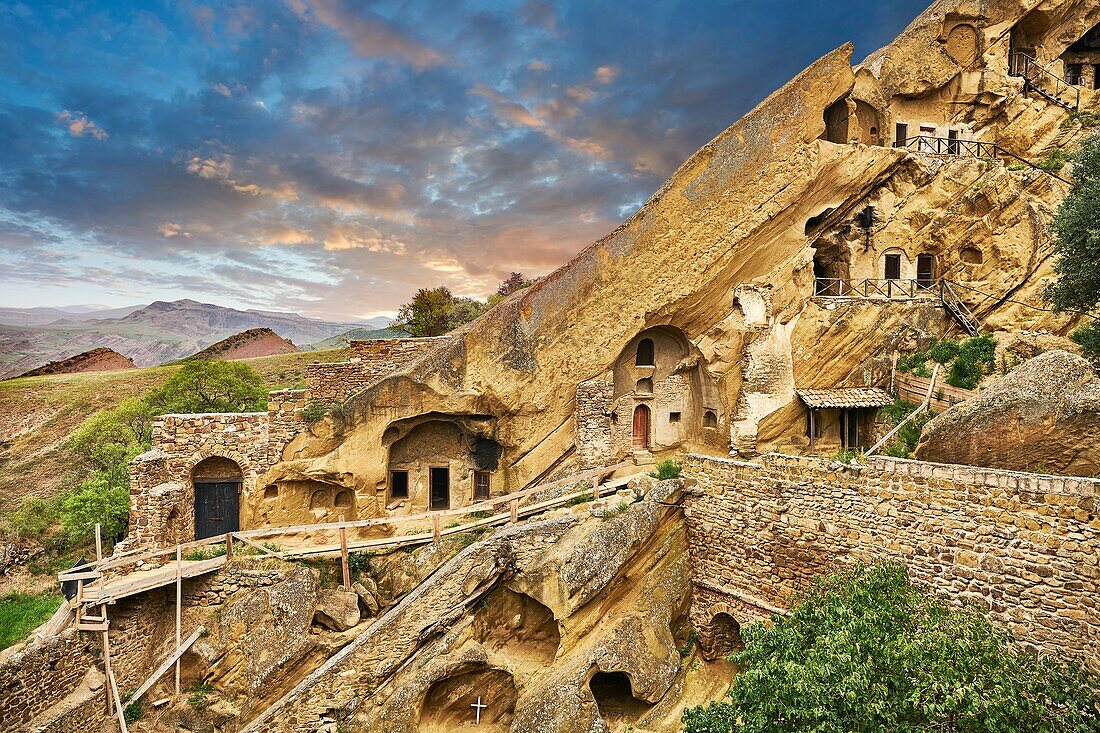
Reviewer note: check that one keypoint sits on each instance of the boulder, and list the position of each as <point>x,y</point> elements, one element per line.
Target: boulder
<point>367,599</point>
<point>1044,417</point>
<point>337,609</point>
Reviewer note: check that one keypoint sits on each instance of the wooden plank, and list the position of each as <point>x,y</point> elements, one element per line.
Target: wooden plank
<point>107,660</point>
<point>256,545</point>
<point>344,556</point>
<point>172,659</point>
<point>118,706</point>
<point>179,609</point>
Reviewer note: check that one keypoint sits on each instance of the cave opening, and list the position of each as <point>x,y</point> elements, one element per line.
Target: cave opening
<point>615,698</point>
<point>449,704</point>
<point>518,626</point>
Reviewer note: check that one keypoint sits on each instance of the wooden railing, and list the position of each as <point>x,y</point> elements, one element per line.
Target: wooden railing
<point>211,553</point>
<point>942,397</point>
<point>836,287</point>
<point>979,149</point>
<point>1048,85</point>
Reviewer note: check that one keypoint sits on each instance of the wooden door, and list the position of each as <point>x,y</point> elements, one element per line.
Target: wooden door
<point>926,270</point>
<point>849,429</point>
<point>901,135</point>
<point>892,269</point>
<point>440,479</point>
<point>217,508</point>
<point>641,428</point>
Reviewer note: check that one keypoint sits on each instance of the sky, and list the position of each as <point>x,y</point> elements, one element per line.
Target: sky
<point>330,157</point>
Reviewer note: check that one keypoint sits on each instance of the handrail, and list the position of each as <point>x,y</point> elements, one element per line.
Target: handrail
<point>920,408</point>
<point>838,287</point>
<point>979,149</point>
<point>108,563</point>
<point>1023,65</point>
<point>959,308</point>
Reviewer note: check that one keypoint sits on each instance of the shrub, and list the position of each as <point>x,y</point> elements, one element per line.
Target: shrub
<point>313,412</point>
<point>667,470</point>
<point>915,363</point>
<point>1088,338</point>
<point>34,518</point>
<point>848,457</point>
<point>583,498</point>
<point>943,351</point>
<point>1056,161</point>
<point>909,435</point>
<point>133,711</point>
<point>976,358</point>
<point>211,386</point>
<point>99,500</point>
<point>205,553</point>
<point>867,650</point>
<point>112,437</point>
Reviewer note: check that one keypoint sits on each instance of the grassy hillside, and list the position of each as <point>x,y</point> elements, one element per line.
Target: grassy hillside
<point>37,414</point>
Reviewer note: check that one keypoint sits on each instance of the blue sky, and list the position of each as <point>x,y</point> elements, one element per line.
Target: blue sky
<point>331,156</point>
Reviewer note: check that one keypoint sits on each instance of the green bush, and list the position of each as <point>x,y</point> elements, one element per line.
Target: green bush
<point>583,498</point>
<point>975,359</point>
<point>867,650</point>
<point>909,435</point>
<point>112,437</point>
<point>1056,161</point>
<point>211,386</point>
<point>205,553</point>
<point>915,363</point>
<point>1088,338</point>
<point>848,457</point>
<point>133,711</point>
<point>314,412</point>
<point>34,518</point>
<point>101,500</point>
<point>22,613</point>
<point>942,352</point>
<point>667,470</point>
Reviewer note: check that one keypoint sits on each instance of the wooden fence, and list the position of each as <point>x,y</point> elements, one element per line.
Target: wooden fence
<point>912,388</point>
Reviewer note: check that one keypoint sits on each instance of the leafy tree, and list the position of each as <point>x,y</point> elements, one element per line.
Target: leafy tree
<point>513,283</point>
<point>867,651</point>
<point>114,436</point>
<point>1077,226</point>
<point>211,386</point>
<point>436,311</point>
<point>103,499</point>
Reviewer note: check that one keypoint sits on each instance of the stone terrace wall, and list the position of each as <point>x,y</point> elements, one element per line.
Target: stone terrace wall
<point>593,420</point>
<point>1024,546</point>
<point>40,676</point>
<point>370,361</point>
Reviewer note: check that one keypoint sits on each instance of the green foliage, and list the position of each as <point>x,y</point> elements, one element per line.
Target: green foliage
<point>314,412</point>
<point>1077,228</point>
<point>112,437</point>
<point>848,457</point>
<point>909,435</point>
<point>915,363</point>
<point>583,498</point>
<point>1056,161</point>
<point>689,645</point>
<point>103,499</point>
<point>942,352</point>
<point>198,692</point>
<point>211,386</point>
<point>34,518</point>
<point>358,563</point>
<point>1086,118</point>
<point>205,553</point>
<point>436,311</point>
<point>975,359</point>
<point>480,515</point>
<point>22,613</point>
<point>133,711</point>
<point>1088,338</point>
<point>667,470</point>
<point>867,651</point>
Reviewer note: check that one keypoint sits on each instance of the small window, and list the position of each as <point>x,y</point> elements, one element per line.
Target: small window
<point>1074,72</point>
<point>399,484</point>
<point>893,267</point>
<point>318,500</point>
<point>271,492</point>
<point>343,499</point>
<point>644,357</point>
<point>645,385</point>
<point>710,419</point>
<point>674,417</point>
<point>481,485</point>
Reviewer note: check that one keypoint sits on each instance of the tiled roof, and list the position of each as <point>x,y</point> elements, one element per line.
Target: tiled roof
<point>845,397</point>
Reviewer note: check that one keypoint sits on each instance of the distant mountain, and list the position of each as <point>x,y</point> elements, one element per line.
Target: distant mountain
<point>247,345</point>
<point>43,316</point>
<point>158,333</point>
<point>96,360</point>
<point>356,334</point>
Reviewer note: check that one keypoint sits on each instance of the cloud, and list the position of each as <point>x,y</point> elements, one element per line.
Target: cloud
<point>538,66</point>
<point>286,235</point>
<point>351,237</point>
<point>370,34</point>
<point>221,169</point>
<point>606,74</point>
<point>506,109</point>
<point>169,229</point>
<point>79,125</point>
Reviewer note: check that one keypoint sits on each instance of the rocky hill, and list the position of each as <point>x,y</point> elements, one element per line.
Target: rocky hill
<point>96,360</point>
<point>158,333</point>
<point>248,344</point>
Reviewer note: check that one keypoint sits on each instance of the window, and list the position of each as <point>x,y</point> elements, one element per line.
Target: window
<point>674,417</point>
<point>710,419</point>
<point>645,385</point>
<point>644,356</point>
<point>399,484</point>
<point>1074,72</point>
<point>953,142</point>
<point>481,485</point>
<point>343,500</point>
<point>893,267</point>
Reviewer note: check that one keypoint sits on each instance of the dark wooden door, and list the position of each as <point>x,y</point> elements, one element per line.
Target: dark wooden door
<point>849,429</point>
<point>893,267</point>
<point>440,480</point>
<point>926,270</point>
<point>217,508</point>
<point>641,427</point>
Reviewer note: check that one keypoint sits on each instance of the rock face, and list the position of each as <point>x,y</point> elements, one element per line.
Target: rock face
<point>337,609</point>
<point>247,345</point>
<point>1044,416</point>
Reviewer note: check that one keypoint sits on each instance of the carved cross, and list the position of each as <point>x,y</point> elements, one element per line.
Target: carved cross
<point>478,707</point>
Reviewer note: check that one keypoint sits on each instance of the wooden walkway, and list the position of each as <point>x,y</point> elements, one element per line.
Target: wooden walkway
<point>113,578</point>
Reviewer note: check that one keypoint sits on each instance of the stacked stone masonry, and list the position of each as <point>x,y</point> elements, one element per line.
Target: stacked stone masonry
<point>370,361</point>
<point>41,676</point>
<point>1024,546</point>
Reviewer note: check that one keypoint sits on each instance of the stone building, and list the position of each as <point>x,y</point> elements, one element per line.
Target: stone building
<point>792,256</point>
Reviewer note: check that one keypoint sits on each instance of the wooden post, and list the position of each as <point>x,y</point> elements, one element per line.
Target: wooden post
<point>436,537</point>
<point>228,546</point>
<point>514,506</point>
<point>595,487</point>
<point>79,600</point>
<point>179,607</point>
<point>119,711</point>
<point>107,661</point>
<point>344,554</point>
<point>813,428</point>
<point>98,544</point>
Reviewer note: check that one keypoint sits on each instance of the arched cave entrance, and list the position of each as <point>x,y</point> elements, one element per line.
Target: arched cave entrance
<point>217,485</point>
<point>518,626</point>
<point>721,637</point>
<point>615,698</point>
<point>449,703</point>
<point>830,267</point>
<point>836,122</point>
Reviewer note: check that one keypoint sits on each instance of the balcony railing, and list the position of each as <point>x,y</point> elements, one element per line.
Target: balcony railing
<point>1048,85</point>
<point>836,287</point>
<point>980,149</point>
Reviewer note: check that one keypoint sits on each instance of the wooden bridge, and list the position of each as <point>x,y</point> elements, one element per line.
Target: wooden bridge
<point>891,289</point>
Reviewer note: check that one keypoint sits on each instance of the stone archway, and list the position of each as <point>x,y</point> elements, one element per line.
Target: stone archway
<point>721,636</point>
<point>216,482</point>
<point>615,699</point>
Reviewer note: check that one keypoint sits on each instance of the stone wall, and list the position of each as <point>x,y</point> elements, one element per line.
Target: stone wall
<point>370,361</point>
<point>40,676</point>
<point>593,420</point>
<point>1024,546</point>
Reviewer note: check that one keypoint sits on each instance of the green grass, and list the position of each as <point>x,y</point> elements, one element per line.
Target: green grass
<point>22,613</point>
<point>667,470</point>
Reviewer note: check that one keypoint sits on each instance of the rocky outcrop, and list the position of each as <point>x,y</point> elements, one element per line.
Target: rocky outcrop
<point>101,359</point>
<point>337,609</point>
<point>248,344</point>
<point>1044,416</point>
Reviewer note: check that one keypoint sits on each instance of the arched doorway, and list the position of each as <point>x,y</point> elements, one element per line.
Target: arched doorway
<point>641,428</point>
<point>217,484</point>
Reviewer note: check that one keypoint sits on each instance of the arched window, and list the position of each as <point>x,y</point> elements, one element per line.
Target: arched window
<point>644,356</point>
<point>318,500</point>
<point>645,385</point>
<point>343,499</point>
<point>710,419</point>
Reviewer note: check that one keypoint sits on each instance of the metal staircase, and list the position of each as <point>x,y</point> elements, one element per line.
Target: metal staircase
<point>1049,86</point>
<point>958,309</point>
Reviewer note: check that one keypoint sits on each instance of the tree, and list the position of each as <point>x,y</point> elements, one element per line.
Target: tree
<point>211,386</point>
<point>1077,227</point>
<point>436,311</point>
<point>103,499</point>
<point>513,283</point>
<point>114,436</point>
<point>866,650</point>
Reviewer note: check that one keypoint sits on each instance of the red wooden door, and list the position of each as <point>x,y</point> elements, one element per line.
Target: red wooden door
<point>641,427</point>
